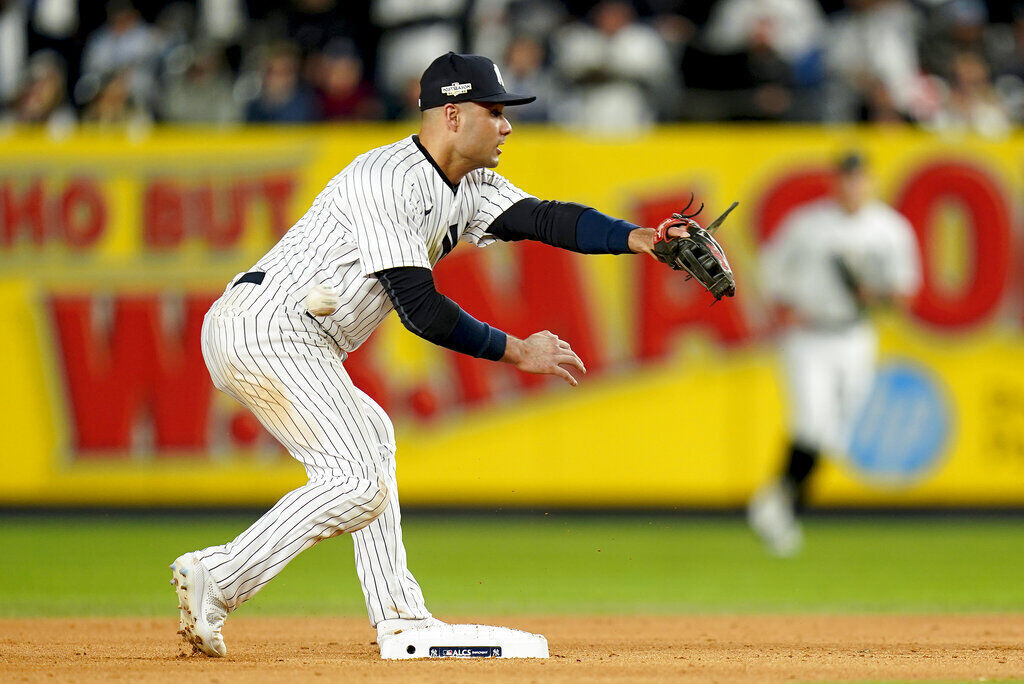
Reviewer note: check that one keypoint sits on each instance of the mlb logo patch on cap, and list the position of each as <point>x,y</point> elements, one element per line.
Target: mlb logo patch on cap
<point>456,89</point>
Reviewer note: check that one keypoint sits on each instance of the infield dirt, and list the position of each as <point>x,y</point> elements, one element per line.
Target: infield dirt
<point>698,648</point>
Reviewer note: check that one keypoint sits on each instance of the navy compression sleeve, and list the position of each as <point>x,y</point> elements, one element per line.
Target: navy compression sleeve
<point>434,317</point>
<point>567,225</point>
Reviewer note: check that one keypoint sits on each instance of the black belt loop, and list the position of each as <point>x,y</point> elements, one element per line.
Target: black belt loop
<point>254,277</point>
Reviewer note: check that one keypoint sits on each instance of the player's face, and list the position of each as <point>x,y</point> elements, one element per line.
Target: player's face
<point>854,189</point>
<point>484,129</point>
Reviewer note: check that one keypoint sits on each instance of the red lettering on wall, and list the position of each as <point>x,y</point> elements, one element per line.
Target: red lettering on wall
<point>990,233</point>
<point>83,213</point>
<point>278,191</point>
<point>115,378</point>
<point>163,215</point>
<point>671,306</point>
<point>22,211</point>
<point>787,194</point>
<point>75,213</point>
<point>668,305</point>
<point>175,210</point>
<point>221,214</point>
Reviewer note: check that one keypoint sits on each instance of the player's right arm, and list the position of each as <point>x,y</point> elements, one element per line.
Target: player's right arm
<point>780,266</point>
<point>427,313</point>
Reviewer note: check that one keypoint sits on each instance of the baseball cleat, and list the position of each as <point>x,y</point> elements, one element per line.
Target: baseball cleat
<point>440,640</point>
<point>771,517</point>
<point>201,606</point>
<point>394,626</point>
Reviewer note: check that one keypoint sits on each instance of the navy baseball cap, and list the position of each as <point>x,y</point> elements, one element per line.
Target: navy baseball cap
<point>851,162</point>
<point>465,78</point>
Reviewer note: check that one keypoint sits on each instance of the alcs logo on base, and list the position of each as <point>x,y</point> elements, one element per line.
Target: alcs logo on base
<point>465,651</point>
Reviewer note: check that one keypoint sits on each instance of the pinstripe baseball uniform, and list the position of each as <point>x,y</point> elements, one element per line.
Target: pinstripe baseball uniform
<point>277,339</point>
<point>827,263</point>
<point>830,357</point>
<point>390,208</point>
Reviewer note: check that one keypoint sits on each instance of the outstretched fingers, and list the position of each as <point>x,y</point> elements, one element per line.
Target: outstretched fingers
<point>545,353</point>
<point>565,375</point>
<point>570,358</point>
<point>568,366</point>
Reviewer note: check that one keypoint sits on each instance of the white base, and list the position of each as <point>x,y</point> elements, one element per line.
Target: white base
<point>462,641</point>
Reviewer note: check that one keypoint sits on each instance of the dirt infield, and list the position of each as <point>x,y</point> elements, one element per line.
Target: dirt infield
<point>706,649</point>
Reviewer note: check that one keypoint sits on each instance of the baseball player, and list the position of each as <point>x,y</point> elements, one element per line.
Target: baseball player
<point>277,340</point>
<point>828,264</point>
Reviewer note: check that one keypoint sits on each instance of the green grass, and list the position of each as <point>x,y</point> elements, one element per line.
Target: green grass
<point>558,564</point>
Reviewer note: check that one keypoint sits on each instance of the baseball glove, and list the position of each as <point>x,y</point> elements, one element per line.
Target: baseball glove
<point>699,255</point>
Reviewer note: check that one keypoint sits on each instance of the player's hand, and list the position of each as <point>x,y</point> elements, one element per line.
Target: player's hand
<point>544,353</point>
<point>641,240</point>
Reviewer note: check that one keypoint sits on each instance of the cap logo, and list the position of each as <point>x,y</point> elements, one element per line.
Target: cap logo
<point>456,89</point>
<point>498,74</point>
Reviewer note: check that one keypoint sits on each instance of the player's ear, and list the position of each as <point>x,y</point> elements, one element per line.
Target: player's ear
<point>451,116</point>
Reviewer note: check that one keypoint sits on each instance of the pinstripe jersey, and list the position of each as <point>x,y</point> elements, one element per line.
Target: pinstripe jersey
<point>390,207</point>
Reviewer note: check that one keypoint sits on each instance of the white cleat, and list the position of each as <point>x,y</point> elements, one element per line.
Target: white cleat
<point>432,638</point>
<point>389,627</point>
<point>201,606</point>
<point>770,514</point>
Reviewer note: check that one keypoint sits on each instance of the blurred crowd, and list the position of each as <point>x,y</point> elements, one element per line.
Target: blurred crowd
<point>612,66</point>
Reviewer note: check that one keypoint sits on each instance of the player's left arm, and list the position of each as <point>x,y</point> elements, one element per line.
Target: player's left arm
<point>509,214</point>
<point>574,227</point>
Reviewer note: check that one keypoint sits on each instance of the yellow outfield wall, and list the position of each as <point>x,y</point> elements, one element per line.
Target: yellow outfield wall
<point>112,248</point>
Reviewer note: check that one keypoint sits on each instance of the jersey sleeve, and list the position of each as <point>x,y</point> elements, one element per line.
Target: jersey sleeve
<point>496,195</point>
<point>905,262</point>
<point>780,259</point>
<point>384,230</point>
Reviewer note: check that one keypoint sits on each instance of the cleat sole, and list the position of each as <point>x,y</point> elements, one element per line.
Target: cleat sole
<point>186,619</point>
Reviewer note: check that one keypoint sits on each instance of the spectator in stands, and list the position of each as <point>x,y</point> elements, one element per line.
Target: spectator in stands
<point>176,28</point>
<point>413,33</point>
<point>791,29</point>
<point>758,59</point>
<point>872,61</point>
<point>616,66</point>
<point>13,46</point>
<point>341,91</point>
<point>525,72</point>
<point>949,28</point>
<point>406,106</point>
<point>43,98</point>
<point>199,88</point>
<point>1007,63</point>
<point>494,24</point>
<point>971,104</point>
<point>283,97</point>
<point>55,25</point>
<point>114,106</point>
<point>1008,57</point>
<point>221,21</point>
<point>124,44</point>
<point>313,24</point>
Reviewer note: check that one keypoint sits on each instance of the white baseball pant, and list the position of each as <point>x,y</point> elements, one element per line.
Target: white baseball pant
<point>829,374</point>
<point>278,365</point>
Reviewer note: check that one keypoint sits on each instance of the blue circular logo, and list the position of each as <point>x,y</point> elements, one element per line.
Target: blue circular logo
<point>901,431</point>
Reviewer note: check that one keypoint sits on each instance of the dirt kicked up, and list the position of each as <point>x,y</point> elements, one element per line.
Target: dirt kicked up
<point>700,648</point>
